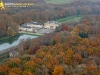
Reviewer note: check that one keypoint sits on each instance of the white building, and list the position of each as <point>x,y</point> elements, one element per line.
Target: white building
<point>31,26</point>
<point>51,25</point>
<point>35,25</point>
<point>25,28</point>
<point>13,54</point>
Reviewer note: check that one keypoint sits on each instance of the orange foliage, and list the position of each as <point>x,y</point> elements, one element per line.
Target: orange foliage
<point>90,51</point>
<point>17,71</point>
<point>15,60</point>
<point>49,65</point>
<point>88,23</point>
<point>57,39</point>
<point>76,30</point>
<point>69,56</point>
<point>52,62</point>
<point>30,63</point>
<point>12,73</point>
<point>91,68</point>
<point>65,27</point>
<point>30,66</point>
<point>85,41</point>
<point>27,73</point>
<point>4,68</point>
<point>38,60</point>
<point>58,70</point>
<point>78,57</point>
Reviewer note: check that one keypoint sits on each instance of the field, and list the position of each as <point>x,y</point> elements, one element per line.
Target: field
<point>58,1</point>
<point>69,19</point>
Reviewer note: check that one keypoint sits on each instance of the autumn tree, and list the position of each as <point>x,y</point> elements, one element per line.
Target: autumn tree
<point>64,27</point>
<point>30,66</point>
<point>77,57</point>
<point>10,31</point>
<point>69,56</point>
<point>17,71</point>
<point>27,73</point>
<point>91,68</point>
<point>12,73</point>
<point>58,70</point>
<point>4,69</point>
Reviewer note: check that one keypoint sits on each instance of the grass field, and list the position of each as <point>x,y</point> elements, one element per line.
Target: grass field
<point>69,19</point>
<point>58,1</point>
<point>29,33</point>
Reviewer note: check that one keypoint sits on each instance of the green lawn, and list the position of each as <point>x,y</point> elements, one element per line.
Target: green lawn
<point>69,19</point>
<point>29,33</point>
<point>58,1</point>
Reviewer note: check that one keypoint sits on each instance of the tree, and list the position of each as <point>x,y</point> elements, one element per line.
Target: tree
<point>64,27</point>
<point>54,42</point>
<point>4,69</point>
<point>15,60</point>
<point>17,71</point>
<point>10,31</point>
<point>12,73</point>
<point>78,58</point>
<point>69,56</point>
<point>27,73</point>
<point>91,68</point>
<point>58,70</point>
<point>30,66</point>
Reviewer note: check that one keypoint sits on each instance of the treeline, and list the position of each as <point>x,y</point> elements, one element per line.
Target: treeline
<point>59,53</point>
<point>42,12</point>
<point>13,1</point>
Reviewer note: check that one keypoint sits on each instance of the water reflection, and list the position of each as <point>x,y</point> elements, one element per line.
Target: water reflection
<point>4,44</point>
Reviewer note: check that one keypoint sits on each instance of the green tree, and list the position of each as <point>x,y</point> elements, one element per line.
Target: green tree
<point>54,42</point>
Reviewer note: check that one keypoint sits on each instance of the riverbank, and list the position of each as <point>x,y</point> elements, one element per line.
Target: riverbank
<point>7,37</point>
<point>29,33</point>
<point>18,34</point>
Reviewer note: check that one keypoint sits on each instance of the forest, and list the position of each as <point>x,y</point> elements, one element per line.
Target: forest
<point>73,49</point>
<point>70,50</point>
<point>42,12</point>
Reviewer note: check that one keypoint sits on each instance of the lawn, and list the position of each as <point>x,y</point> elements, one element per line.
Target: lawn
<point>58,1</point>
<point>69,19</point>
<point>29,33</point>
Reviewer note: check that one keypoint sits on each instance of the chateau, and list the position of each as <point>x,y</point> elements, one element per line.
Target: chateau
<point>51,24</point>
<point>35,26</point>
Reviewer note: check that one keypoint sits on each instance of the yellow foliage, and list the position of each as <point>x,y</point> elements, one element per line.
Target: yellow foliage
<point>15,60</point>
<point>58,70</point>
<point>30,66</point>
<point>69,52</point>
<point>16,71</point>
<point>27,73</point>
<point>75,30</point>
<point>10,31</point>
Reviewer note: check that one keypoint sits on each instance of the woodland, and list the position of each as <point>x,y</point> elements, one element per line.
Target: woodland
<point>73,49</point>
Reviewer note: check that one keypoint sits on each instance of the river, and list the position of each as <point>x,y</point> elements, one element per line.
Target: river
<point>14,41</point>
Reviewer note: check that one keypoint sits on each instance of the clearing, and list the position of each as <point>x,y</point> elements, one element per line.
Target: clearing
<point>69,19</point>
<point>58,1</point>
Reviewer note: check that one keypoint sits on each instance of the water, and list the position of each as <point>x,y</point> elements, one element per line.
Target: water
<point>14,41</point>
